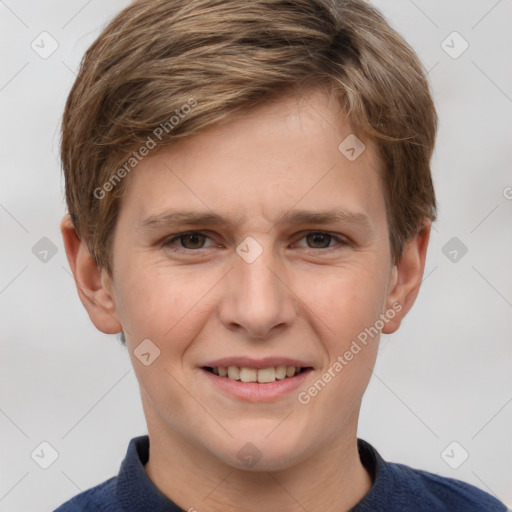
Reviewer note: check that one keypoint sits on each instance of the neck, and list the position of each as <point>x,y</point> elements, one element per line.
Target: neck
<point>333,478</point>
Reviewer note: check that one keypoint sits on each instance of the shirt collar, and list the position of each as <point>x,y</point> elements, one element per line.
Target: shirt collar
<point>135,491</point>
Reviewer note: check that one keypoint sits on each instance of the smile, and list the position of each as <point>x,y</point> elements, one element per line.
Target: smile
<point>260,375</point>
<point>263,384</point>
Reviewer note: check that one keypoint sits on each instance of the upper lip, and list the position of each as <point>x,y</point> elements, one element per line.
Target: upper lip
<point>249,362</point>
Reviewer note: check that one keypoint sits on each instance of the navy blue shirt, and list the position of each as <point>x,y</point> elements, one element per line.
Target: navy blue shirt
<point>396,487</point>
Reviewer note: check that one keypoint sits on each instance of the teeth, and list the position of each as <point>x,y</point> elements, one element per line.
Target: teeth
<point>281,372</point>
<point>233,372</point>
<point>248,374</point>
<point>290,371</point>
<point>267,375</point>
<point>261,375</point>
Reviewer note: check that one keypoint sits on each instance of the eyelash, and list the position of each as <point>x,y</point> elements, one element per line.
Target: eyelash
<point>168,242</point>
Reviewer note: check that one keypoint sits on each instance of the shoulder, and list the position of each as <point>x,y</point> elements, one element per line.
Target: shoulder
<point>119,491</point>
<point>399,487</point>
<point>446,493</point>
<point>101,497</point>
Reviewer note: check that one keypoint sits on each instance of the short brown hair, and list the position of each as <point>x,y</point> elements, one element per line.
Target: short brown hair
<point>227,57</point>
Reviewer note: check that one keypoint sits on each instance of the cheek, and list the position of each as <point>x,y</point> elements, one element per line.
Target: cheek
<point>349,304</point>
<point>170,308</point>
<point>346,300</point>
<point>161,303</point>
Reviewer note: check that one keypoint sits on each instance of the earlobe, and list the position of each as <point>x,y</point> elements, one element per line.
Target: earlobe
<point>92,286</point>
<point>406,278</point>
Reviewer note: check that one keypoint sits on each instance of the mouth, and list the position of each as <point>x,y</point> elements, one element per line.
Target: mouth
<point>267,379</point>
<point>249,374</point>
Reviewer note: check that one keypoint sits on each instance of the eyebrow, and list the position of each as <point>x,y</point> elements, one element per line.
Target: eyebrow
<point>292,217</point>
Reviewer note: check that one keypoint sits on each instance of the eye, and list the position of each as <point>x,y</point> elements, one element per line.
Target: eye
<point>322,240</point>
<point>195,240</point>
<point>191,240</point>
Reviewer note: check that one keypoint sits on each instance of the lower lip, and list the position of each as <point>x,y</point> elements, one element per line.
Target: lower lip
<point>254,391</point>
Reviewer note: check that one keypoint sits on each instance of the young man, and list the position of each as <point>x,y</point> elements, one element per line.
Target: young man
<point>250,202</point>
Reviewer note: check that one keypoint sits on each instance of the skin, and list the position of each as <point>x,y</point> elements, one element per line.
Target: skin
<point>303,297</point>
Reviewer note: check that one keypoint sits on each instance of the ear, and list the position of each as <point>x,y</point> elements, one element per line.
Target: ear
<point>92,283</point>
<point>406,277</point>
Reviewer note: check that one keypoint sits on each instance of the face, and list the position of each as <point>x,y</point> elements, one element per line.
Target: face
<point>250,247</point>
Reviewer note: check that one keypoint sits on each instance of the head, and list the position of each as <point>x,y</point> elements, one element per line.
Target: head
<point>255,116</point>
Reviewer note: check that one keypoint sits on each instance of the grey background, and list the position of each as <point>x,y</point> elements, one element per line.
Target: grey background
<point>444,376</point>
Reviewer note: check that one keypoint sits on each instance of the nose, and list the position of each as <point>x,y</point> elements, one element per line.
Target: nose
<point>257,299</point>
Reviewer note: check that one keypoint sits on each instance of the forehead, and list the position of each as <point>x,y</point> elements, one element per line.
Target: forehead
<point>293,152</point>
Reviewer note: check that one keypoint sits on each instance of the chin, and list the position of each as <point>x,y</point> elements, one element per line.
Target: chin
<point>257,453</point>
